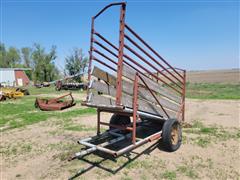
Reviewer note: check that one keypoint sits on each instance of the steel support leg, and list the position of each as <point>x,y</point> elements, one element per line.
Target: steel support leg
<point>98,121</point>
<point>135,108</point>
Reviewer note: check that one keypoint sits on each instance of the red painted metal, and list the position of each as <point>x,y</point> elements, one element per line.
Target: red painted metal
<point>151,57</point>
<point>120,55</point>
<point>149,47</point>
<point>164,74</point>
<point>135,108</point>
<point>103,63</point>
<point>155,76</point>
<point>150,65</point>
<point>183,96</point>
<point>105,48</point>
<point>54,104</point>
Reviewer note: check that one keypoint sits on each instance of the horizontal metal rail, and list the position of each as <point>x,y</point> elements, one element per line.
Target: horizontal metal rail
<point>149,47</point>
<point>132,60</point>
<point>151,65</point>
<point>146,53</point>
<point>103,63</point>
<point>146,70</point>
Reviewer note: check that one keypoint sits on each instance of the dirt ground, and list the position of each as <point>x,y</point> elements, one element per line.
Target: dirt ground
<point>40,151</point>
<point>214,76</point>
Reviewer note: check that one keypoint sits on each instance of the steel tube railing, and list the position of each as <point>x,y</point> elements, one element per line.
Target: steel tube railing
<point>105,48</point>
<point>149,47</point>
<point>105,40</point>
<point>152,66</point>
<point>103,55</point>
<point>145,52</point>
<point>103,63</point>
<point>151,73</point>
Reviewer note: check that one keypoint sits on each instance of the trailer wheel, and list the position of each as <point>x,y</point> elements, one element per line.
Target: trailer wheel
<point>171,135</point>
<point>117,119</point>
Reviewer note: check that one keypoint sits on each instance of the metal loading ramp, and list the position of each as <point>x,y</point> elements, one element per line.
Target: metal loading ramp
<point>138,86</point>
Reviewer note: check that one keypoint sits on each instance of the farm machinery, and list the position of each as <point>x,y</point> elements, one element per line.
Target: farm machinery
<point>69,83</point>
<point>12,93</point>
<point>54,104</point>
<point>142,91</point>
<point>61,85</point>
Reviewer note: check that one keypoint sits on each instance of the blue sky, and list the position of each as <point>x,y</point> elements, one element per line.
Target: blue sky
<point>194,35</point>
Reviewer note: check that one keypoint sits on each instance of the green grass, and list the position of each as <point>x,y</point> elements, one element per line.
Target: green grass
<point>213,91</point>
<point>46,90</point>
<point>210,134</point>
<point>21,112</point>
<point>169,175</point>
<point>188,171</point>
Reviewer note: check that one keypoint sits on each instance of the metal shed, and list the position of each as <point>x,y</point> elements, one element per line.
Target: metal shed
<point>14,76</point>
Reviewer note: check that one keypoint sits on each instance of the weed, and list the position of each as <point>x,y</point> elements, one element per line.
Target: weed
<point>202,142</point>
<point>210,134</point>
<point>169,175</point>
<point>208,130</point>
<point>188,171</point>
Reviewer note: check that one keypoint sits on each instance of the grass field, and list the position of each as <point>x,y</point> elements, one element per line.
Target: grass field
<point>21,112</point>
<point>213,91</point>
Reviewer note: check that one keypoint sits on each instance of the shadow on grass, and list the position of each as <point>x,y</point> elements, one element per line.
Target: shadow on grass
<point>106,157</point>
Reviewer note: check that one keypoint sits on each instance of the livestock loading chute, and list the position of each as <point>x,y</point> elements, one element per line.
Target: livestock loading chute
<point>145,94</point>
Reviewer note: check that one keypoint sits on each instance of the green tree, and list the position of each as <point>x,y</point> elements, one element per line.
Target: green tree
<point>13,57</point>
<point>9,57</point>
<point>76,63</point>
<point>44,68</point>
<point>26,55</point>
<point>3,55</point>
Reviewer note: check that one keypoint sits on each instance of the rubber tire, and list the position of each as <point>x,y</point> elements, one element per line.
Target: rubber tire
<point>118,119</point>
<point>166,135</point>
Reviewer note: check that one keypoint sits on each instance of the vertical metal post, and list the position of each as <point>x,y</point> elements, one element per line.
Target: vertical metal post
<point>184,93</point>
<point>120,55</point>
<point>135,108</point>
<point>90,53</point>
<point>98,121</point>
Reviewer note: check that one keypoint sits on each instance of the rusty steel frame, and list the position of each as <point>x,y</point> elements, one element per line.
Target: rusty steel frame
<point>177,82</point>
<point>53,104</point>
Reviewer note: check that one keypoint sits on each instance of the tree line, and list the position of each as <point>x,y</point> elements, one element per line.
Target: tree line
<point>42,62</point>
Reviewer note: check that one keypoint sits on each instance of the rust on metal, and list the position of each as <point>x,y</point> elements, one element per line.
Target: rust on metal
<point>55,103</point>
<point>135,107</point>
<point>135,81</point>
<point>120,55</point>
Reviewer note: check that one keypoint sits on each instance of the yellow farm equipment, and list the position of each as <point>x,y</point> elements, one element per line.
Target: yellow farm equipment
<point>12,92</point>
